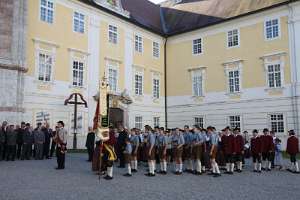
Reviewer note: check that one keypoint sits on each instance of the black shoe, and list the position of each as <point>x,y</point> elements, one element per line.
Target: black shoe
<point>259,171</point>
<point>178,173</point>
<point>58,168</point>
<point>231,173</point>
<point>255,170</point>
<point>211,174</point>
<point>108,177</point>
<point>198,173</point>
<point>164,173</point>
<point>216,175</point>
<point>295,172</point>
<point>152,174</point>
<point>128,175</point>
<point>134,170</point>
<point>239,171</point>
<point>227,172</point>
<point>263,169</point>
<point>148,174</point>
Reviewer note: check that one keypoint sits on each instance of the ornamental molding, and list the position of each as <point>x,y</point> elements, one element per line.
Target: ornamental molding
<point>113,5</point>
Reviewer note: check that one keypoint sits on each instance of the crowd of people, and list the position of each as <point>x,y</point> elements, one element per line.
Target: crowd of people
<point>23,142</point>
<point>193,150</point>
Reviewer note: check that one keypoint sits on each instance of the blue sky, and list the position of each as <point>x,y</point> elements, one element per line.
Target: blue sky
<point>156,1</point>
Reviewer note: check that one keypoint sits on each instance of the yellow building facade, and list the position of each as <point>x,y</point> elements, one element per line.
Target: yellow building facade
<point>181,63</point>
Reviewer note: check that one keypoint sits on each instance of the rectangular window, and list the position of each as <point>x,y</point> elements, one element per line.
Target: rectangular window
<point>199,121</point>
<point>138,80</point>
<point>138,43</point>
<point>156,50</point>
<point>234,81</point>
<point>45,67</point>
<point>156,88</point>
<point>47,11</point>
<point>274,75</point>
<point>277,123</point>
<point>42,117</point>
<point>235,121</point>
<point>197,46</point>
<point>138,122</point>
<point>233,38</point>
<point>156,121</point>
<point>78,73</point>
<point>197,83</point>
<point>112,79</point>
<point>113,34</point>
<point>272,28</point>
<point>78,22</point>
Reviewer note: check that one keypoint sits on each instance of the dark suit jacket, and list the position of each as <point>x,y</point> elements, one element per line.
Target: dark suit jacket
<point>90,140</point>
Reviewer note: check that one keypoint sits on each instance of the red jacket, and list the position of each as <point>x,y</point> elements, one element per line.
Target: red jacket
<point>267,143</point>
<point>238,144</point>
<point>228,144</point>
<point>256,147</point>
<point>112,139</point>
<point>292,146</point>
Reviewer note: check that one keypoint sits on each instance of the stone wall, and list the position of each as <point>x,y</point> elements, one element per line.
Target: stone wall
<point>12,59</point>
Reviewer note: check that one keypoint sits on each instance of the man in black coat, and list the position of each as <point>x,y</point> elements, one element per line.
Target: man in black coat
<point>121,145</point>
<point>90,143</point>
<point>47,132</point>
<point>11,143</point>
<point>27,143</point>
<point>20,133</point>
<point>53,143</point>
<point>3,140</point>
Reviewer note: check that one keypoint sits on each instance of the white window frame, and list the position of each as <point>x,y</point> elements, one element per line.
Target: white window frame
<point>274,64</point>
<point>233,71</point>
<point>139,73</point>
<point>265,29</point>
<point>199,71</point>
<point>45,68</point>
<point>154,49</point>
<point>156,76</point>
<point>53,10</point>
<point>78,71</point>
<point>234,66</point>
<point>113,66</point>
<point>273,59</point>
<point>156,121</point>
<point>112,33</point>
<point>140,42</point>
<point>138,123</point>
<point>277,121</point>
<point>232,38</point>
<point>201,46</point>
<point>199,123</point>
<point>79,21</point>
<point>235,121</point>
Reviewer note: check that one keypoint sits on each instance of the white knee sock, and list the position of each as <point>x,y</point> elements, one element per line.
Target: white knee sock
<point>296,166</point>
<point>217,168</point>
<point>128,169</point>
<point>135,164</point>
<point>259,166</point>
<point>198,166</point>
<point>255,166</point>
<point>180,167</point>
<point>213,168</point>
<point>110,171</point>
<point>165,166</point>
<point>132,164</point>
<point>227,167</point>
<point>240,165</point>
<point>161,166</point>
<point>176,167</point>
<point>232,167</point>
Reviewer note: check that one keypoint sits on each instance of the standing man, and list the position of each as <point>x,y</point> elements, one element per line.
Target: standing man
<point>61,141</point>
<point>27,143</point>
<point>228,145</point>
<point>162,151</point>
<point>39,140</point>
<point>267,145</point>
<point>20,133</point>
<point>177,146</point>
<point>150,151</point>
<point>292,149</point>
<point>90,143</point>
<point>3,140</point>
<point>187,149</point>
<point>47,132</point>
<point>135,140</point>
<point>53,142</point>
<point>256,151</point>
<point>214,138</point>
<point>239,149</point>
<point>11,143</point>
<point>121,145</point>
<point>197,149</point>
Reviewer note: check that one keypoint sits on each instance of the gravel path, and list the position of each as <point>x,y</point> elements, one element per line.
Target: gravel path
<point>26,180</point>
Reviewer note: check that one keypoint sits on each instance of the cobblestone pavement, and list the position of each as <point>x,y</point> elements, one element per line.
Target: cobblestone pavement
<point>26,180</point>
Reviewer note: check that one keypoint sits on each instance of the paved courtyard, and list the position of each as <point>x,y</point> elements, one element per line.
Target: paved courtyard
<point>26,180</point>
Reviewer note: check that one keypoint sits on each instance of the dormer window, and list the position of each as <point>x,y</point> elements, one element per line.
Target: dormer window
<point>114,5</point>
<point>112,2</point>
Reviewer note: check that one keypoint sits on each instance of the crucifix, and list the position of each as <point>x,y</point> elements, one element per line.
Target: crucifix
<point>75,102</point>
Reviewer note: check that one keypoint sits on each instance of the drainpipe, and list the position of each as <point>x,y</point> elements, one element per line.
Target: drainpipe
<point>294,67</point>
<point>165,81</point>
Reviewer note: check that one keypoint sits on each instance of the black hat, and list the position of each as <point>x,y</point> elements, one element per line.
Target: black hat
<point>255,131</point>
<point>27,124</point>
<point>291,132</point>
<point>265,130</point>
